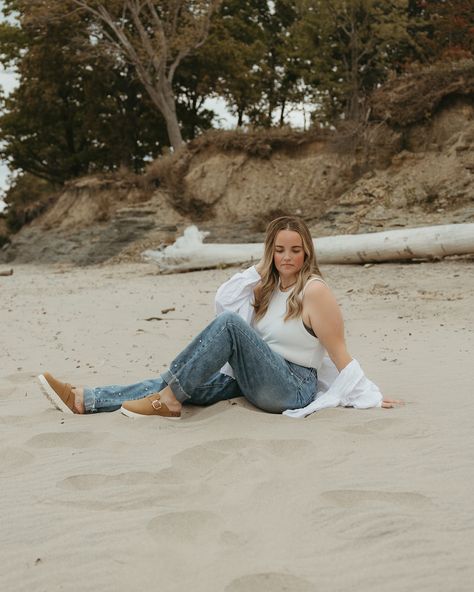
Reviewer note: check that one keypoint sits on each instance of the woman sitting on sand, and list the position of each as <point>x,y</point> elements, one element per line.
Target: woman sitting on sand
<point>276,323</point>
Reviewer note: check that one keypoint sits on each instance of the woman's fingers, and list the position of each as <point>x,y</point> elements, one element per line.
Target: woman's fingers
<point>389,403</point>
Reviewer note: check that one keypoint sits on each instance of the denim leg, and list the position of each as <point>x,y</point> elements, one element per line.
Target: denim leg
<point>264,377</point>
<point>110,398</point>
<point>219,387</point>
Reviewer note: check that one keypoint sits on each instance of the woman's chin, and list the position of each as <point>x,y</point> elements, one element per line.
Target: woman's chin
<point>288,273</point>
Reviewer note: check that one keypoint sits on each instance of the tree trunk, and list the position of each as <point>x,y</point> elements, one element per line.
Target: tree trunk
<point>162,96</point>
<point>282,113</point>
<point>169,113</point>
<point>353,102</point>
<point>173,129</point>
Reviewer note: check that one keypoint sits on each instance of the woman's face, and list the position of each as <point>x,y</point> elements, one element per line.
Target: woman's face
<point>288,254</point>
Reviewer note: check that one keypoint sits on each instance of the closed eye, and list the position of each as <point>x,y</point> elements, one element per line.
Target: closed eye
<point>293,250</point>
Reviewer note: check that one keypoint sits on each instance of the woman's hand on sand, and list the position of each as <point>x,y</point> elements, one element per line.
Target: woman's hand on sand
<point>390,403</point>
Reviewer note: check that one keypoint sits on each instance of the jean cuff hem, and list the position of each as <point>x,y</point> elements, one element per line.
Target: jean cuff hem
<point>174,384</point>
<point>89,401</point>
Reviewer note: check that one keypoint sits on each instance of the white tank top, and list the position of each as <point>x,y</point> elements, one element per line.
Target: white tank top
<point>289,338</point>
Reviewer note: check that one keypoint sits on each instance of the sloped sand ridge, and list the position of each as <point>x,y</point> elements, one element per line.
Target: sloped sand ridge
<point>270,582</point>
<point>232,499</point>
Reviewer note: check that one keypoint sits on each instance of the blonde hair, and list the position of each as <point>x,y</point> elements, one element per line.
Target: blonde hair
<point>270,276</point>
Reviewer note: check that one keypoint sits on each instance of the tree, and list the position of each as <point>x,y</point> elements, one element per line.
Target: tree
<point>234,51</point>
<point>255,53</point>
<point>73,111</point>
<point>449,28</point>
<point>353,45</point>
<point>154,37</point>
<point>194,82</point>
<point>280,66</point>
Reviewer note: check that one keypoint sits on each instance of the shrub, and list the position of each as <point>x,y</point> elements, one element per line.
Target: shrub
<point>27,198</point>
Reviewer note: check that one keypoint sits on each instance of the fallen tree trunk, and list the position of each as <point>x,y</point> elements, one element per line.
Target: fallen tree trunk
<point>427,242</point>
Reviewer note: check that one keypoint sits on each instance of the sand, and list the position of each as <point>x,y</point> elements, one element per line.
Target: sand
<point>230,498</point>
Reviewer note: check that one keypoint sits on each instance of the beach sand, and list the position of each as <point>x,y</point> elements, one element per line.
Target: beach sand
<point>233,499</point>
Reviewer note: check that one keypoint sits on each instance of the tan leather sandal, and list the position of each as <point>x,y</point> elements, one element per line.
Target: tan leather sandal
<point>147,407</point>
<point>59,393</point>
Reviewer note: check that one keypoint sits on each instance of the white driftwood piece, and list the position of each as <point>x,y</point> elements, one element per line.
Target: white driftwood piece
<point>427,242</point>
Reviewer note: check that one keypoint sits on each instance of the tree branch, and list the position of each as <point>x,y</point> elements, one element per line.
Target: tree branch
<point>156,57</point>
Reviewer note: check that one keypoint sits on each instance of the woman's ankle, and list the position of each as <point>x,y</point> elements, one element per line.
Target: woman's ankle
<point>79,401</point>
<point>168,398</point>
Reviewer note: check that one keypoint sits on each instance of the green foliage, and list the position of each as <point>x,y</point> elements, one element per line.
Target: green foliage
<point>353,45</point>
<point>74,111</point>
<point>253,59</point>
<point>26,198</point>
<point>194,82</point>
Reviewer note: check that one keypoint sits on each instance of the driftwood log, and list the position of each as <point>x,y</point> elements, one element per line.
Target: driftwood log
<point>427,242</point>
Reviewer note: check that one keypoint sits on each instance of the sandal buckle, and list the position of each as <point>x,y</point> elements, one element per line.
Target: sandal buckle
<point>156,404</point>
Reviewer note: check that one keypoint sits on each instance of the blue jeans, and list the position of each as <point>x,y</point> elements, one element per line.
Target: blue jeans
<point>262,376</point>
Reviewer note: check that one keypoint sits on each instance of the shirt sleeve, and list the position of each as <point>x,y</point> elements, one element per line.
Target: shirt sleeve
<point>236,294</point>
<point>350,388</point>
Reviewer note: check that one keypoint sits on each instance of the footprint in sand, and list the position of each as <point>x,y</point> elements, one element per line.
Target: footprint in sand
<point>113,493</point>
<point>373,525</point>
<point>270,582</point>
<point>193,463</point>
<point>92,481</point>
<point>389,425</point>
<point>349,498</point>
<point>285,450</point>
<point>19,377</point>
<point>278,450</point>
<point>370,427</point>
<point>205,460</point>
<point>13,460</point>
<point>189,527</point>
<point>66,440</point>
<point>7,392</point>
